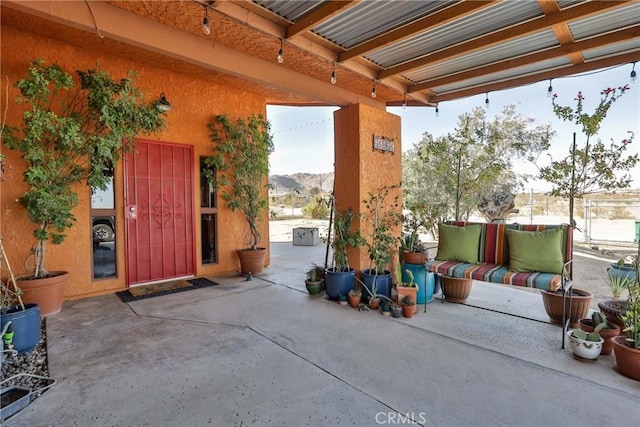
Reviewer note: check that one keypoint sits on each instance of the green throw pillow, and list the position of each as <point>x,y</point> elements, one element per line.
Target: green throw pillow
<point>539,251</point>
<point>458,243</point>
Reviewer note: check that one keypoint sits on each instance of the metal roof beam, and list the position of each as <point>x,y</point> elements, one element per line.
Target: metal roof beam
<point>319,15</point>
<point>492,39</point>
<point>555,52</point>
<point>534,78</point>
<point>438,18</point>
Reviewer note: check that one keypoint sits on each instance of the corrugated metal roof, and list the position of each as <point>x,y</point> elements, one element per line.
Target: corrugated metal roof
<point>628,46</point>
<point>605,22</point>
<point>371,18</point>
<point>567,3</point>
<point>504,75</point>
<point>291,10</point>
<point>474,25</point>
<point>522,46</point>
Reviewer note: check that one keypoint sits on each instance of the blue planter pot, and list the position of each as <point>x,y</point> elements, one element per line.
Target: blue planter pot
<point>338,282</point>
<point>423,278</point>
<point>626,270</point>
<point>26,326</point>
<point>382,281</point>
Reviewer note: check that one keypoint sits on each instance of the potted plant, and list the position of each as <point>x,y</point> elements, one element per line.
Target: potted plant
<point>313,282</point>
<point>614,308</point>
<point>386,308</point>
<point>624,268</point>
<point>383,218</point>
<point>22,319</point>
<point>607,332</point>
<point>411,248</point>
<point>340,277</point>
<point>408,307</point>
<point>354,297</point>
<point>73,131</point>
<point>240,166</point>
<point>343,299</point>
<point>586,345</point>
<point>627,349</point>
<point>396,309</point>
<point>406,289</point>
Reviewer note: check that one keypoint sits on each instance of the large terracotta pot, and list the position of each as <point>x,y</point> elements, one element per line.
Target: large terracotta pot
<point>627,358</point>
<point>456,289</point>
<point>579,306</point>
<point>414,257</point>
<point>48,292</point>
<point>607,334</point>
<point>252,261</point>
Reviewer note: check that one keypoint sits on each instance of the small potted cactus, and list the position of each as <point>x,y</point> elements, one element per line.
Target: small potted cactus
<point>408,305</point>
<point>313,282</point>
<point>354,297</point>
<point>607,332</point>
<point>396,309</point>
<point>587,345</point>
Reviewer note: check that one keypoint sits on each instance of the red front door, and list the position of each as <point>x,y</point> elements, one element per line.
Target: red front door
<point>159,212</point>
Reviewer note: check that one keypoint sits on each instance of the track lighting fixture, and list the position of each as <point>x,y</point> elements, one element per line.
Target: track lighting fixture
<point>486,101</point>
<point>373,90</point>
<point>281,52</point>
<point>550,89</point>
<point>633,75</point>
<point>163,104</point>
<point>333,75</point>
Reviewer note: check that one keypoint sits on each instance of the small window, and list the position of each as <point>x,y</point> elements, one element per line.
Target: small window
<point>103,231</point>
<point>208,217</point>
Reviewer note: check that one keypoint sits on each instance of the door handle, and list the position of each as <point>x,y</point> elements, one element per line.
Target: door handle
<point>132,212</point>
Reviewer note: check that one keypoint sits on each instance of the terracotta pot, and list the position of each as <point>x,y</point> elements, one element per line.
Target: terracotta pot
<point>456,289</point>
<point>252,261</point>
<point>627,358</point>
<point>48,293</point>
<point>579,307</point>
<point>607,334</point>
<point>354,300</point>
<point>614,309</point>
<point>374,303</point>
<point>404,291</point>
<point>414,257</point>
<point>407,310</point>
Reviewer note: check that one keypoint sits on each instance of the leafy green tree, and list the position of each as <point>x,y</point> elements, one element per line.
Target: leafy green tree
<point>450,174</point>
<point>593,166</point>
<point>74,130</point>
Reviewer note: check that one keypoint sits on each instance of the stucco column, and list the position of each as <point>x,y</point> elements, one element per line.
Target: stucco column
<point>359,168</point>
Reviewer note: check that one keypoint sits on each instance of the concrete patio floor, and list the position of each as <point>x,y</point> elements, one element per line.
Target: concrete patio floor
<point>264,352</point>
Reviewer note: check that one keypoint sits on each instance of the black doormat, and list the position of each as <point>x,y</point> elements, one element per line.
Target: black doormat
<point>165,289</point>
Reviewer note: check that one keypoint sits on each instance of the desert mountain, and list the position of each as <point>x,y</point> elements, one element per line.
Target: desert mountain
<point>302,182</point>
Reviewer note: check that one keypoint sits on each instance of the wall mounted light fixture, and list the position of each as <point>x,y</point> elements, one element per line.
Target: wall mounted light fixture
<point>163,103</point>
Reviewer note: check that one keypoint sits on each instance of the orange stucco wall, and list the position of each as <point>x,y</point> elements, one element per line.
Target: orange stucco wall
<point>194,104</point>
<point>359,170</point>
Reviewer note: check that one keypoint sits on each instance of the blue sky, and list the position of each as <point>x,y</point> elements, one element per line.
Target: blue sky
<point>303,136</point>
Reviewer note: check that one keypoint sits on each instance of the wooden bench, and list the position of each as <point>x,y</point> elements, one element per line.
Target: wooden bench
<point>507,254</point>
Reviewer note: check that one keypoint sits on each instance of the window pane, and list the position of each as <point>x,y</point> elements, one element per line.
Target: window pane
<point>104,246</point>
<point>103,199</point>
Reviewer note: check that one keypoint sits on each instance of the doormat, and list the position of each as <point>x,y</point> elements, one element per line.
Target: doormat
<point>143,292</point>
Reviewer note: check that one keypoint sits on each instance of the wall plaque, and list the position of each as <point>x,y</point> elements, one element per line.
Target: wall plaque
<point>384,144</point>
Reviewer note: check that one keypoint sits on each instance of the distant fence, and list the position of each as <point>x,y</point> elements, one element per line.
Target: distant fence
<point>611,220</point>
